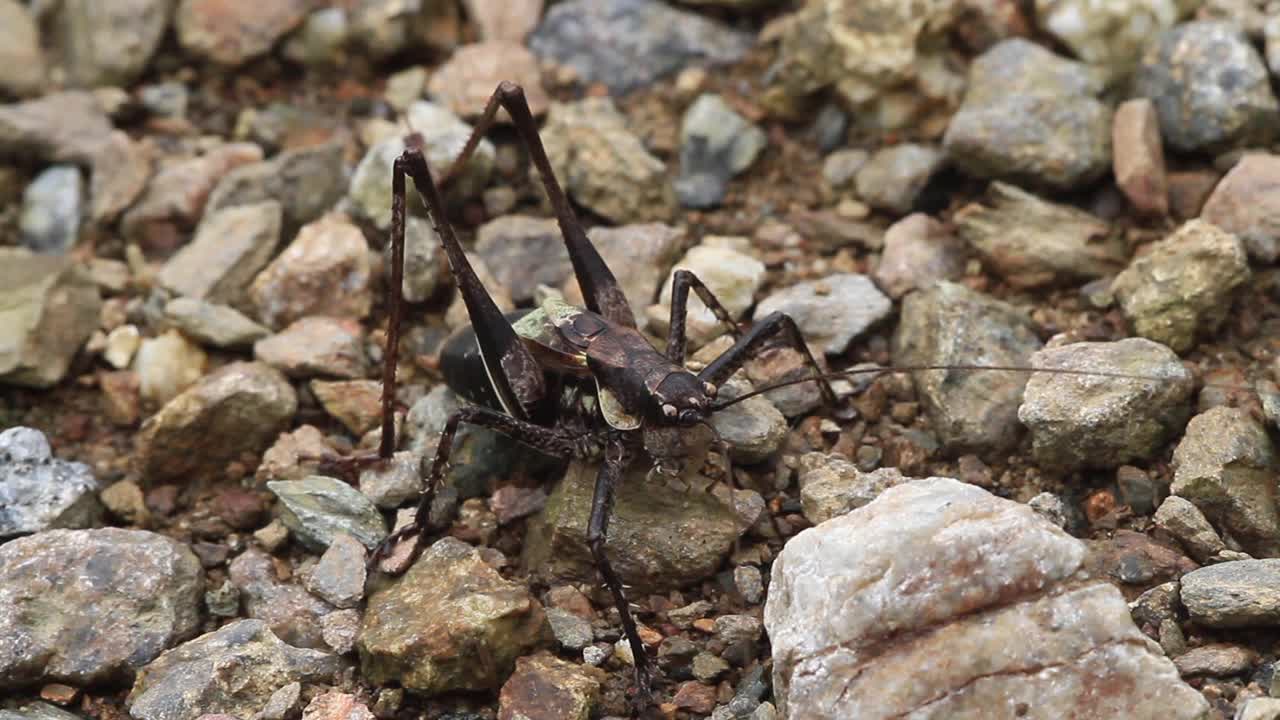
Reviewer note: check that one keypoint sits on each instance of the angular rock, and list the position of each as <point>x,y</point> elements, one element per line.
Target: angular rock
<point>324,271</point>
<point>335,705</point>
<point>22,61</point>
<point>940,599</point>
<point>1082,421</point>
<point>524,252</point>
<point>893,177</point>
<point>1182,519</point>
<point>58,127</point>
<point>357,404</point>
<point>316,346</point>
<point>294,455</point>
<point>1189,190</point>
<point>657,540</point>
<point>466,81</point>
<point>831,486</point>
<point>92,606</point>
<point>240,408</point>
<point>571,631</point>
<point>1183,287</point>
<point>1138,163</point>
<point>753,429</point>
<point>918,251</point>
<point>230,32</point>
<point>306,182</point>
<point>233,670</point>
<point>212,324</point>
<point>38,491</point>
<point>646,251</point>
<point>949,324</point>
<point>175,198</point>
<point>732,276</point>
<point>1216,660</point>
<point>1031,117</point>
<point>108,43</point>
<point>391,486</point>
<point>51,209</point>
<point>119,175</point>
<point>830,312</point>
<point>167,365</point>
<point>1111,35</point>
<point>627,44</point>
<point>292,614</point>
<point>450,623</point>
<point>51,308</point>
<point>229,249</point>
<point>1237,594</point>
<point>716,143</point>
<point>339,577</point>
<point>317,508</point>
<point>544,687</point>
<point>1226,464</point>
<point>1246,203</point>
<point>603,164</point>
<point>1210,88</point>
<point>340,629</point>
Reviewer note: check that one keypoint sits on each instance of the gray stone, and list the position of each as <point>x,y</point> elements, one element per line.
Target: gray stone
<point>175,197</point>
<point>1226,465</point>
<point>1031,117</point>
<point>320,39</point>
<point>604,166</point>
<point>283,703</point>
<point>893,177</point>
<point>38,491</point>
<point>657,540</point>
<point>938,599</point>
<point>119,175</point>
<point>749,583</point>
<point>306,182</point>
<point>840,168</point>
<point>1182,519</point>
<point>1084,421</point>
<point>645,251</point>
<point>291,612</point>
<point>223,601</point>
<point>737,628</point>
<point>1051,507</point>
<point>571,631</point>
<point>91,606</point>
<point>339,577</point>
<point>831,486</point>
<point>230,247</point>
<point>627,44</point>
<point>425,267</point>
<point>318,345</point>
<point>324,271</point>
<point>918,251</point>
<point>191,680</point>
<point>340,629</point>
<point>51,208</point>
<point>37,711</point>
<point>753,429</point>
<point>240,408</point>
<point>1183,287</point>
<point>51,308</point>
<point>830,312</point>
<point>1210,88</point>
<point>166,99</point>
<point>391,486</point>
<point>317,508</point>
<point>232,33</point>
<point>716,143</point>
<point>1246,203</point>
<point>1030,241</point>
<point>108,43</point>
<point>949,324</point>
<point>1259,708</point>
<point>213,324</point>
<point>22,66</point>
<point>1157,605</point>
<point>449,623</point>
<point>524,252</point>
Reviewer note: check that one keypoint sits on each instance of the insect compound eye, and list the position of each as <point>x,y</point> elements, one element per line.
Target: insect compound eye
<point>669,410</point>
<point>709,389</point>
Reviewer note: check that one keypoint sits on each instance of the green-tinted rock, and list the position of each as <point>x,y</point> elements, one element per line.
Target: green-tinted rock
<point>48,308</point>
<point>317,508</point>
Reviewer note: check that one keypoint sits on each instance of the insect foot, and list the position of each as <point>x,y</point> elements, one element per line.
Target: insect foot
<point>945,600</point>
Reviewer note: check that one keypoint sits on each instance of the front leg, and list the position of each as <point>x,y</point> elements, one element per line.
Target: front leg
<point>719,370</point>
<point>681,282</point>
<point>597,531</point>
<point>548,440</point>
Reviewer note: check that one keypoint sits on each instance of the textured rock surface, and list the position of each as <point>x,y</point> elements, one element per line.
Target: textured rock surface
<point>830,312</point>
<point>233,670</point>
<point>50,308</point>
<point>1234,594</point>
<point>544,687</point>
<point>523,252</point>
<point>306,182</point>
<point>290,612</point>
<point>831,486</point>
<point>316,345</point>
<point>316,509</point>
<point>324,271</point>
<point>229,32</point>
<point>918,251</point>
<point>646,250</point>
<point>1246,203</point>
<point>1079,421</point>
<point>730,274</point>
<point>230,247</point>
<point>1139,157</point>
<point>940,600</point>
<point>38,491</point>
<point>716,143</point>
<point>92,606</point>
<point>450,623</point>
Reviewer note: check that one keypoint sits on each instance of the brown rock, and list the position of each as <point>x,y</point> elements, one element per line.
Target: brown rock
<point>48,308</point>
<point>324,271</point>
<point>1216,659</point>
<point>468,79</point>
<point>119,396</point>
<point>357,404</point>
<point>59,127</point>
<point>316,346</point>
<point>1188,191</point>
<point>1138,157</point>
<point>120,173</point>
<point>229,248</point>
<point>1247,203</point>
<point>335,705</point>
<point>918,250</point>
<point>544,687</point>
<point>507,20</point>
<point>695,697</point>
<point>230,32</point>
<point>294,455</point>
<point>20,50</point>
<point>292,613</point>
<point>1134,559</point>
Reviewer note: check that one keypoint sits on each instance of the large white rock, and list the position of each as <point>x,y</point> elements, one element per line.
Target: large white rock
<point>940,600</point>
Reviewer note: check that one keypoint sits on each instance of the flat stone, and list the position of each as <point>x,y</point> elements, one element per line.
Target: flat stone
<point>1138,162</point>
<point>239,408</point>
<point>1235,594</point>
<point>190,680</point>
<point>230,32</point>
<point>831,486</point>
<point>230,247</point>
<point>716,143</point>
<point>1182,519</point>
<point>324,271</point>
<point>316,345</point>
<point>830,312</point>
<point>175,198</point>
<point>339,577</point>
<point>1082,421</point>
<point>51,308</point>
<point>305,181</point>
<point>893,177</point>
<point>316,509</point>
<point>449,623</point>
<point>93,606</point>
<point>753,429</point>
<point>918,251</point>
<point>1225,464</point>
<point>108,43</point>
<point>544,687</point>
<point>922,590</point>
<point>571,631</point>
<point>21,58</point>
<point>1183,287</point>
<point>212,324</point>
<point>729,273</point>
<point>1246,203</point>
<point>524,252</point>
<point>465,82</point>
<point>58,127</point>
<point>38,491</point>
<point>292,614</point>
<point>1216,660</point>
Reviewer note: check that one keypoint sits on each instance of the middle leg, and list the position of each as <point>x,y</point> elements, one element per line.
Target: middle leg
<point>719,370</point>
<point>682,281</point>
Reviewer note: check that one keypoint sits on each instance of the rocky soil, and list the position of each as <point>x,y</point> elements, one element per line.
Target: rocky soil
<point>194,203</point>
